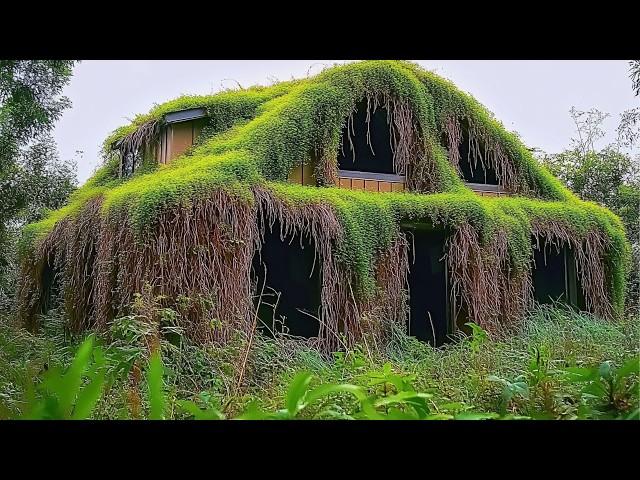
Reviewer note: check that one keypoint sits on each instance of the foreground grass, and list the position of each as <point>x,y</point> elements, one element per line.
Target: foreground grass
<point>540,372</point>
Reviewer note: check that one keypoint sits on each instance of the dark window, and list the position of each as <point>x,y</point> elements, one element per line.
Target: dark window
<point>130,163</point>
<point>428,291</point>
<point>290,274</point>
<point>362,155</point>
<point>549,274</point>
<point>473,163</point>
<point>51,289</point>
<point>555,277</point>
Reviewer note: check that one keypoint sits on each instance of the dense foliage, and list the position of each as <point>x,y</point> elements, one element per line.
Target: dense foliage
<point>32,178</point>
<point>30,103</point>
<point>561,365</point>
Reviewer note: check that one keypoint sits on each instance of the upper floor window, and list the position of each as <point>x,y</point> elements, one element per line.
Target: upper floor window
<point>366,141</point>
<point>161,141</point>
<point>474,165</point>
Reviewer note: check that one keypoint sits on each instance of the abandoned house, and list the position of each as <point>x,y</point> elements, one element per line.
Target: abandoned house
<point>374,195</point>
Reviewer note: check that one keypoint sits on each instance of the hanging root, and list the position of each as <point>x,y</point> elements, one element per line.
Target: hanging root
<point>131,146</point>
<point>406,142</point>
<point>387,311</point>
<point>483,149</point>
<point>318,222</point>
<point>197,258</point>
<point>483,281</point>
<point>589,251</point>
<point>70,251</point>
<point>453,133</point>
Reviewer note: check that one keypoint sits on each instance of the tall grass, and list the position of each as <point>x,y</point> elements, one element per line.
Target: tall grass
<point>561,364</point>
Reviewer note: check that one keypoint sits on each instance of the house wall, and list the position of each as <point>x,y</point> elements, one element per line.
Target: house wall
<point>370,185</point>
<point>304,174</point>
<point>176,138</point>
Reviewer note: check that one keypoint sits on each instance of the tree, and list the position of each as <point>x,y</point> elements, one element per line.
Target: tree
<point>32,177</point>
<point>48,179</point>
<point>634,73</point>
<point>30,103</point>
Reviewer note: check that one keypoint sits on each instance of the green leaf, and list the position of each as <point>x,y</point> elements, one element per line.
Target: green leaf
<point>89,396</point>
<point>629,368</point>
<point>439,416</point>
<point>327,389</point>
<point>493,378</point>
<point>606,370</point>
<point>68,386</point>
<point>297,390</point>
<point>155,385</point>
<point>397,414</point>
<point>254,412</point>
<point>403,397</point>
<point>634,415</point>
<point>580,374</point>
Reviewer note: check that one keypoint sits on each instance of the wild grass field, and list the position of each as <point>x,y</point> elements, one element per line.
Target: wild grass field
<point>560,365</point>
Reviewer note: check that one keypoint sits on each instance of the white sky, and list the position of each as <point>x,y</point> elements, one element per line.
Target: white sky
<point>530,97</point>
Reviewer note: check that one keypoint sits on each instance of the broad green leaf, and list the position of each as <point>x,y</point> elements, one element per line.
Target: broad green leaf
<point>297,390</point>
<point>327,389</point>
<point>253,412</point>
<point>606,370</point>
<point>89,396</point>
<point>630,367</point>
<point>439,416</point>
<point>493,378</point>
<point>397,414</point>
<point>580,374</point>
<point>402,397</point>
<point>69,386</point>
<point>452,406</point>
<point>634,415</point>
<point>155,386</point>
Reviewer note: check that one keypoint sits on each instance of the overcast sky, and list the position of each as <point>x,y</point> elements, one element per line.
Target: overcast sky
<point>532,98</point>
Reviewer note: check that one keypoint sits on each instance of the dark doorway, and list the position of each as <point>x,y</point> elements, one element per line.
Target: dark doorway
<point>51,289</point>
<point>473,164</point>
<point>290,274</point>
<point>360,155</point>
<point>428,287</point>
<point>555,277</point>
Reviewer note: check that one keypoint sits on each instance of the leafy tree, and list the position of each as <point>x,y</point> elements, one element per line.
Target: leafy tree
<point>47,179</point>
<point>47,182</point>
<point>30,103</point>
<point>32,178</point>
<point>634,73</point>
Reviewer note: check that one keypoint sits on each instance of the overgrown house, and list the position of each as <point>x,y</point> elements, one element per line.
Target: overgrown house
<point>374,195</point>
